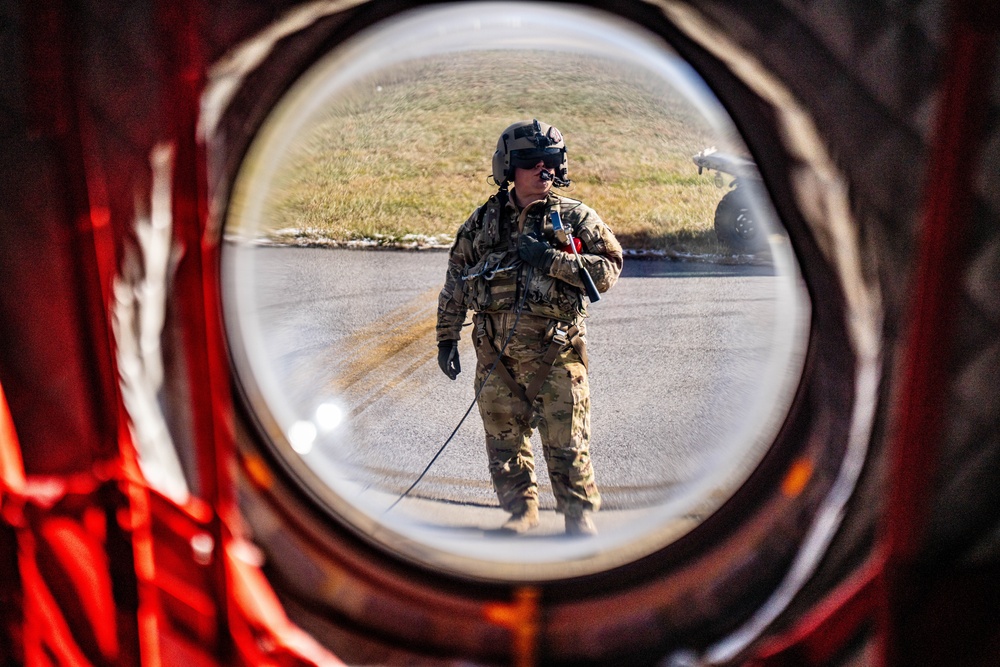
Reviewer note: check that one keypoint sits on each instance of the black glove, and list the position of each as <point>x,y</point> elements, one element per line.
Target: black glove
<point>536,253</point>
<point>448,358</point>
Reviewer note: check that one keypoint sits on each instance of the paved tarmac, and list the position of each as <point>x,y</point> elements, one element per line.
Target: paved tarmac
<point>692,366</point>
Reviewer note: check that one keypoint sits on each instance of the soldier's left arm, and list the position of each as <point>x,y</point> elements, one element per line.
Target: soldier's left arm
<point>601,252</point>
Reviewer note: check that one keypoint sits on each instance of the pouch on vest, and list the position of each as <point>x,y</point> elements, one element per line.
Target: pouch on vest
<point>491,284</point>
<point>553,298</point>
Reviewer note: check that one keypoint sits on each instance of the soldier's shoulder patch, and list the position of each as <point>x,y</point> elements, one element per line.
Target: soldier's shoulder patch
<point>573,208</point>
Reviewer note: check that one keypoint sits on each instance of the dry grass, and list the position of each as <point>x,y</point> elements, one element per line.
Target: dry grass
<point>408,152</point>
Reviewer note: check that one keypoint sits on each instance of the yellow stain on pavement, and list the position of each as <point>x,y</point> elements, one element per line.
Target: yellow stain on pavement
<point>381,356</point>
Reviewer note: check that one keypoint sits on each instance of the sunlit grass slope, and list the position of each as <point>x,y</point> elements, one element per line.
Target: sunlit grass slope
<point>408,152</point>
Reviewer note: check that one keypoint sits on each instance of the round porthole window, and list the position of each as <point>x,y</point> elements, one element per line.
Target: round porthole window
<point>339,231</point>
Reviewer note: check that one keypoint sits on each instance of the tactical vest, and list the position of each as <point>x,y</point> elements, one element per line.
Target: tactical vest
<point>495,282</point>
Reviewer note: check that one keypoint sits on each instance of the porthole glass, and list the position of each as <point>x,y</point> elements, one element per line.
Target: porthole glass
<point>336,247</point>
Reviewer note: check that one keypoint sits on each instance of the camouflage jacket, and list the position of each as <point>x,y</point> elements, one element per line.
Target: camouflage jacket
<point>485,273</point>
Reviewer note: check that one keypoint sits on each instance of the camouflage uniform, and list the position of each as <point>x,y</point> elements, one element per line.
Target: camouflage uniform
<point>485,275</point>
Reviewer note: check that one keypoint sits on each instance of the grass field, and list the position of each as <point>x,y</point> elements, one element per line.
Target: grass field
<point>407,152</point>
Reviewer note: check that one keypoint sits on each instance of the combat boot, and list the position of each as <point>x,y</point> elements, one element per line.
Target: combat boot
<point>580,524</point>
<point>523,521</point>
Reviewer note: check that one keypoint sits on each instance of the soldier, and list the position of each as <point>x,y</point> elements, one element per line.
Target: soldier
<point>529,309</point>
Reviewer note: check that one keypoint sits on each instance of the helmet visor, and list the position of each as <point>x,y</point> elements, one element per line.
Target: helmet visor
<point>526,159</point>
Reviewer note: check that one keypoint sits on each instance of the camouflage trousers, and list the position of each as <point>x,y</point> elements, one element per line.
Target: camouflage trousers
<point>560,412</point>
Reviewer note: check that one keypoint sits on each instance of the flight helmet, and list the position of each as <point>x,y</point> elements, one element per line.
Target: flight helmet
<point>526,142</point>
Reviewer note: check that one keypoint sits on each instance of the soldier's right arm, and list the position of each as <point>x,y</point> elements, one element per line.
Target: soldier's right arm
<point>452,309</point>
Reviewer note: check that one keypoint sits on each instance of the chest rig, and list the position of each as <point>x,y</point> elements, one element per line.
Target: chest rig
<point>497,234</point>
<point>497,241</point>
<point>491,284</point>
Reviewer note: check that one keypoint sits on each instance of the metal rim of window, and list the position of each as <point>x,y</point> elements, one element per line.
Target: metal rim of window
<point>339,585</point>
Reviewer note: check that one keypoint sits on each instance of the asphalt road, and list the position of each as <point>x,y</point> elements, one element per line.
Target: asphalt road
<point>691,367</point>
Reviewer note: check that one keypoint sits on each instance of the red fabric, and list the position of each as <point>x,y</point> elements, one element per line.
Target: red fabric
<point>263,633</point>
<point>69,616</point>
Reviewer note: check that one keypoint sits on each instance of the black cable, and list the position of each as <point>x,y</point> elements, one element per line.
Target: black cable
<point>503,348</point>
